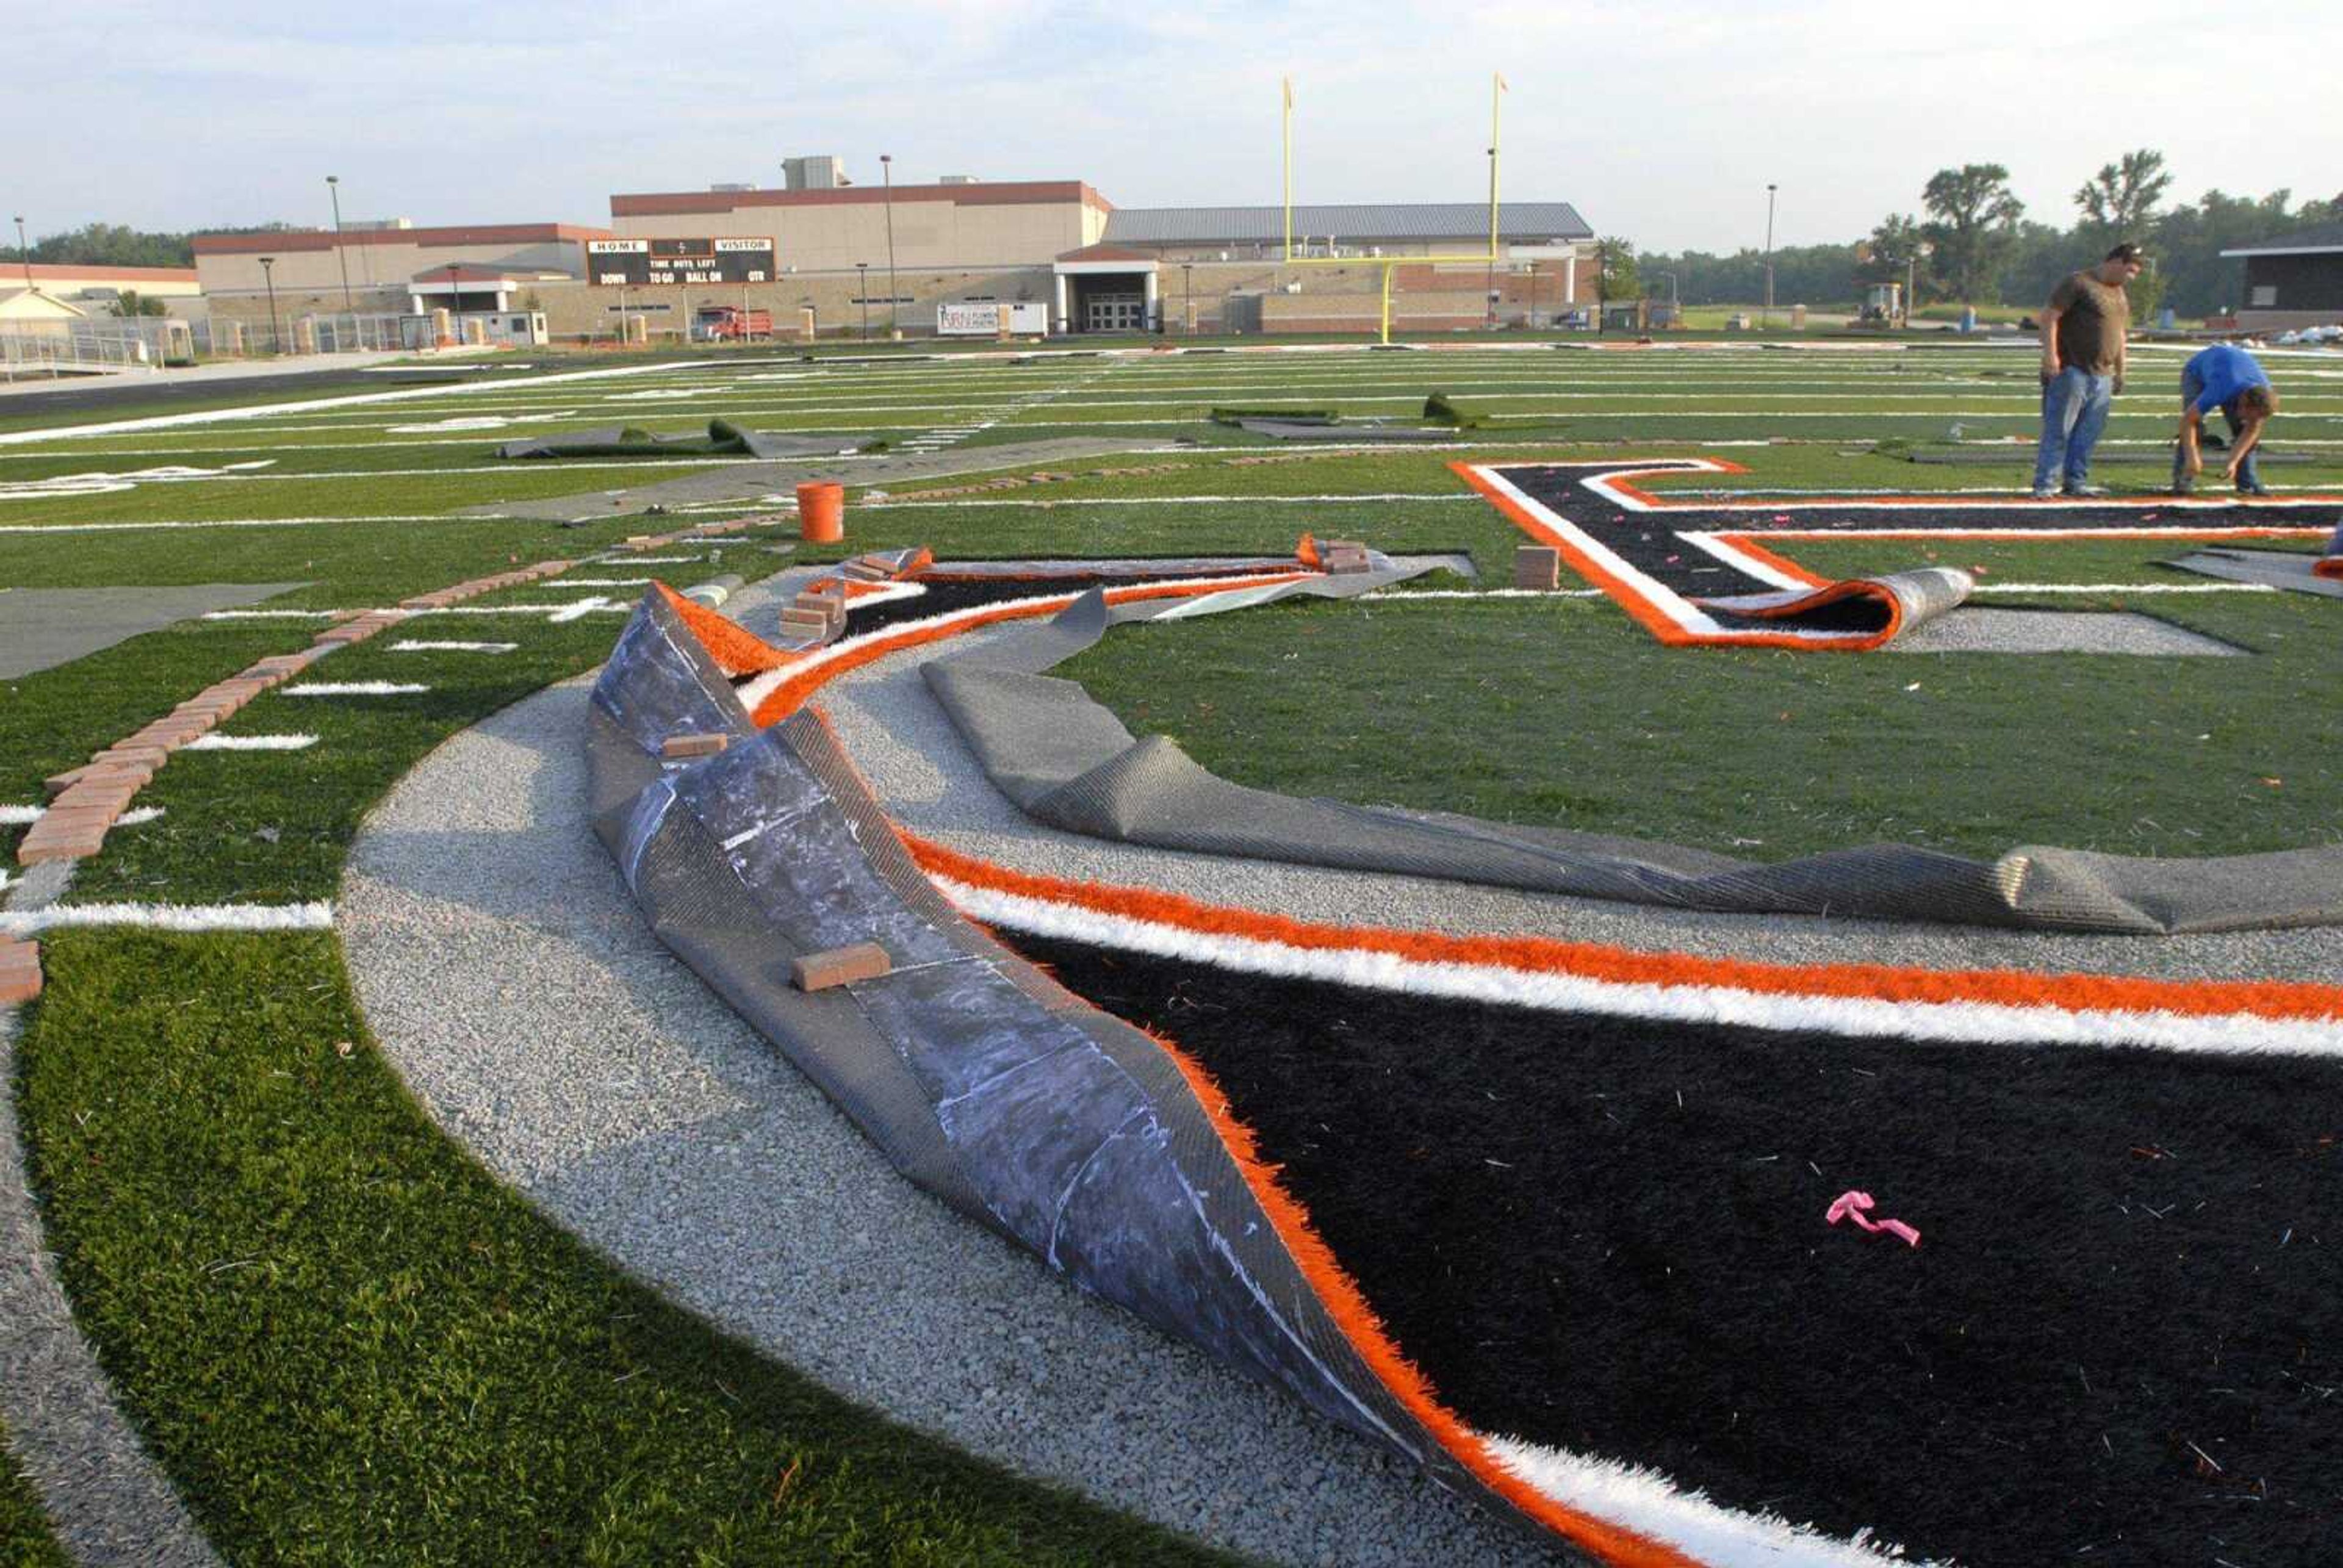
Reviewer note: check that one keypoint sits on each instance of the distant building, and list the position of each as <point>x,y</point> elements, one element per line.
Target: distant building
<point>93,290</point>
<point>395,269</point>
<point>2292,280</point>
<point>878,258</point>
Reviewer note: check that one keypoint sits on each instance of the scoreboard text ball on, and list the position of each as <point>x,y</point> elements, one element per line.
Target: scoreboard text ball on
<point>635,263</point>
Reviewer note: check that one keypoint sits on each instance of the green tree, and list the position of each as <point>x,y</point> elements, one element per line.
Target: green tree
<point>130,302</point>
<point>2120,200</point>
<point>1898,250</point>
<point>1618,278</point>
<point>1974,218</point>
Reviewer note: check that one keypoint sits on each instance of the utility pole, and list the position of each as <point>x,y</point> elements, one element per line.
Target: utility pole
<point>862,287</point>
<point>1767,317</point>
<point>268,277</point>
<point>894,308</point>
<point>456,301</point>
<point>334,189</point>
<point>24,255</point>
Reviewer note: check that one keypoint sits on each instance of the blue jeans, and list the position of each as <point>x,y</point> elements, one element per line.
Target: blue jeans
<point>2249,476</point>
<point>2073,413</point>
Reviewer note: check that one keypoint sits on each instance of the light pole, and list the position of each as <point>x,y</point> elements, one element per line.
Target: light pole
<point>862,287</point>
<point>334,189</point>
<point>1489,285</point>
<point>894,309</point>
<point>456,301</point>
<point>1912,278</point>
<point>24,255</point>
<point>1767,318</point>
<point>1675,301</point>
<point>1188,294</point>
<point>268,277</point>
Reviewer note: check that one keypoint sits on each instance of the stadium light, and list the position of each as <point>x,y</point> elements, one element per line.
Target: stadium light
<point>894,305</point>
<point>334,189</point>
<point>862,287</point>
<point>24,255</point>
<point>268,277</point>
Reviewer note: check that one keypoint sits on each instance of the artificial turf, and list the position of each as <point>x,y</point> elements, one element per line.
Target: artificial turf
<point>349,1345</point>
<point>1564,712</point>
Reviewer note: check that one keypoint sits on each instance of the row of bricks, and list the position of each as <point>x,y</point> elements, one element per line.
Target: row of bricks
<point>703,530</point>
<point>20,971</point>
<point>86,800</point>
<point>440,599</point>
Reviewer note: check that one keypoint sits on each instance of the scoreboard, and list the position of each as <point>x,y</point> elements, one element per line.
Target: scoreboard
<point>639,262</point>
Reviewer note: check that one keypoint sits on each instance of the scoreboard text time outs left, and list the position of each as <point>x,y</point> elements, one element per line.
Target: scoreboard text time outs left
<point>638,262</point>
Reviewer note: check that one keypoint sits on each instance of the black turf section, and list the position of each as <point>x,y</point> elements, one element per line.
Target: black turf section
<point>2117,1344</point>
<point>1653,542</point>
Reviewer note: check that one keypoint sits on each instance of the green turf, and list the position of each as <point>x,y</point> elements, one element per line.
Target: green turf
<point>1565,713</point>
<point>349,1345</point>
<point>26,1538</point>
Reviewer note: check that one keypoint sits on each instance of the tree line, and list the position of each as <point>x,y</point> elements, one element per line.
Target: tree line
<point>116,244</point>
<point>1972,243</point>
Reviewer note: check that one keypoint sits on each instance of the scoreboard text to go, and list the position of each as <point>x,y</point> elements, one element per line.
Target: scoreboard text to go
<point>625,262</point>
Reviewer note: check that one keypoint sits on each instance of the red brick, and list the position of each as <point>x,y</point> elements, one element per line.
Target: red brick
<point>1537,567</point>
<point>38,846</point>
<point>693,745</point>
<point>838,965</point>
<point>56,784</point>
<point>20,971</point>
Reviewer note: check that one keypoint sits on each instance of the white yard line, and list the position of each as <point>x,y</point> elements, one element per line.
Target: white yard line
<point>311,917</point>
<point>217,742</point>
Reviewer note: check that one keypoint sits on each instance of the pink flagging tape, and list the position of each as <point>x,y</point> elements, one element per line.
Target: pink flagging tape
<point>1850,1205</point>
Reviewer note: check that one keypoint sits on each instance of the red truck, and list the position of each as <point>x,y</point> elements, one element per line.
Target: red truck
<point>729,324</point>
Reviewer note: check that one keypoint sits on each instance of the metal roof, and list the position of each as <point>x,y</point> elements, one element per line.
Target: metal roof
<point>1363,224</point>
<point>2326,237</point>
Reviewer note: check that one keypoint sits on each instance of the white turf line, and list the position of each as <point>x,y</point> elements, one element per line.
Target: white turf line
<point>25,815</point>
<point>2002,1025</point>
<point>412,647</point>
<point>311,917</point>
<point>263,410</point>
<point>250,743</point>
<point>352,689</point>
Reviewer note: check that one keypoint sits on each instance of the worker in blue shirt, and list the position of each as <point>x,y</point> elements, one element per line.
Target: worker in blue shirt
<point>2226,378</point>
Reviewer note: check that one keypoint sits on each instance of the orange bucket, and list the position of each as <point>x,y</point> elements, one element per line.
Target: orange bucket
<point>822,511</point>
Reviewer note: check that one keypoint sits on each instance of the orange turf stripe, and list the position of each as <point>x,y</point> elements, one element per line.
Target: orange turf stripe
<point>2287,1000</point>
<point>735,649</point>
<point>786,698</point>
<point>1352,1315</point>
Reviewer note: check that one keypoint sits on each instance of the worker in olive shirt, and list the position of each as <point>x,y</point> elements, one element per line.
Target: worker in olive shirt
<point>2083,351</point>
<point>2226,378</point>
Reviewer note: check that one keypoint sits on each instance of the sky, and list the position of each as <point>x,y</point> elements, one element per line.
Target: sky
<point>1664,124</point>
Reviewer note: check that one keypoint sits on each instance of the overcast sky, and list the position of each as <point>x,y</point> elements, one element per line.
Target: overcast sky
<point>1661,122</point>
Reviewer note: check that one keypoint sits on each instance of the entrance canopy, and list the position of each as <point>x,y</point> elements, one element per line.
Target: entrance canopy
<point>1105,288</point>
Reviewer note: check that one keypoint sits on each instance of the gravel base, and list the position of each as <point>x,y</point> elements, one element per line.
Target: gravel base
<point>508,978</point>
<point>1975,628</point>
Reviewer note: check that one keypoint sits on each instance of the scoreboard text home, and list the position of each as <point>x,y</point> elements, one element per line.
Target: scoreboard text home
<point>646,261</point>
